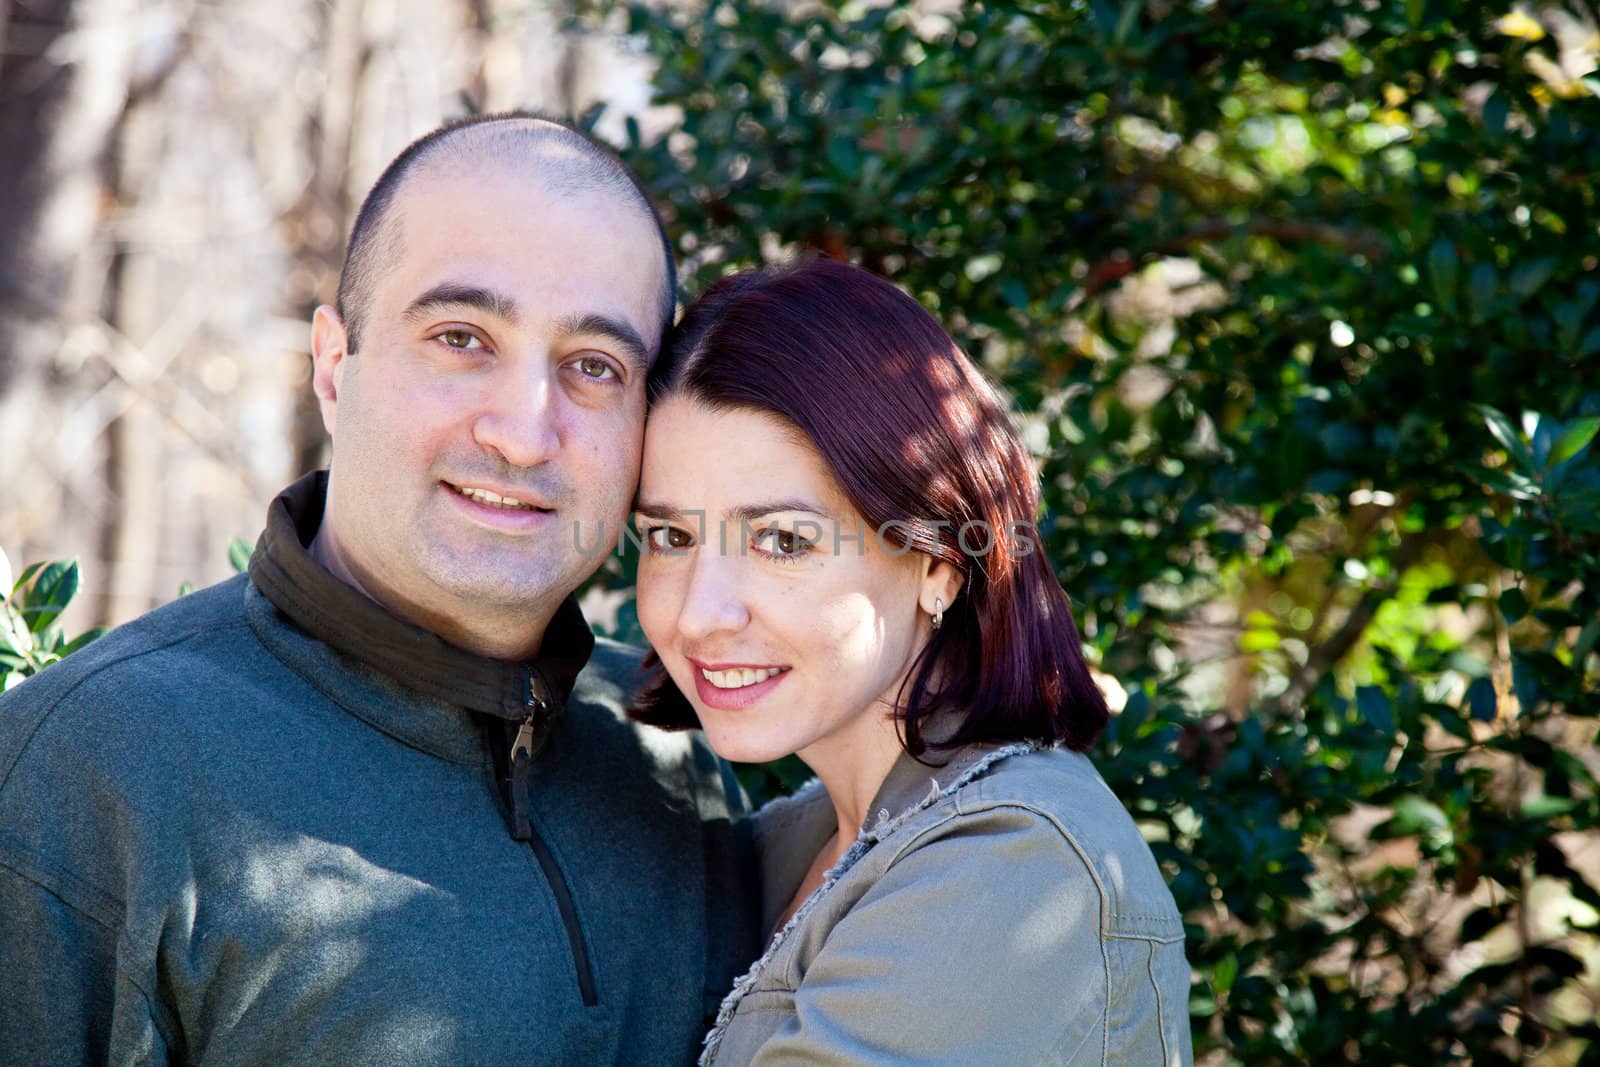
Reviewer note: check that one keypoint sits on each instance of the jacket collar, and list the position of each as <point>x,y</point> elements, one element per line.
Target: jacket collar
<point>355,626</point>
<point>799,825</point>
<point>912,780</point>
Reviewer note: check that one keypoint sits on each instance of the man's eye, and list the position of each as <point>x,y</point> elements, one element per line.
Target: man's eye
<point>595,368</point>
<point>460,339</point>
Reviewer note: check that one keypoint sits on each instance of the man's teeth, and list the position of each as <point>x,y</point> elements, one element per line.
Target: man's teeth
<point>495,500</point>
<point>739,677</point>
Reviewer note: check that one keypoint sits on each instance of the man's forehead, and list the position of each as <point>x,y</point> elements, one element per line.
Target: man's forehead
<point>528,209</point>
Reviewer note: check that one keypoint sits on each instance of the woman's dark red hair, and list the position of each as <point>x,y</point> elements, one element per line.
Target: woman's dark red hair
<point>924,450</point>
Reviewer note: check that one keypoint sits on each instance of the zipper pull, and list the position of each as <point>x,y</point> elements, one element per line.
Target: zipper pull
<point>536,700</point>
<point>521,764</point>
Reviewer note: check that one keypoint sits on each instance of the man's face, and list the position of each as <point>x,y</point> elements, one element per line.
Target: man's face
<point>496,406</point>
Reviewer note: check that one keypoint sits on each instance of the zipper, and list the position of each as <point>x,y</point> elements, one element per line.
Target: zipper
<point>522,829</point>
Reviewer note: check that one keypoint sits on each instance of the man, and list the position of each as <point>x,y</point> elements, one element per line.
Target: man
<point>377,802</point>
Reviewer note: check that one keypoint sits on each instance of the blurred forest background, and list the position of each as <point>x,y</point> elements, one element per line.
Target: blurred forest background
<point>1296,301</point>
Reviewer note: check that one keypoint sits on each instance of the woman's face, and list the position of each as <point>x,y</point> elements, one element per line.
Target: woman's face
<point>784,620</point>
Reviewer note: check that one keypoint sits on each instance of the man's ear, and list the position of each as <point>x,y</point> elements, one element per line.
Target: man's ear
<point>939,587</point>
<point>330,344</point>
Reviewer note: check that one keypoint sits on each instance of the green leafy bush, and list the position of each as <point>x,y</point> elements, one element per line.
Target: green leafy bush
<point>31,637</point>
<point>1297,305</point>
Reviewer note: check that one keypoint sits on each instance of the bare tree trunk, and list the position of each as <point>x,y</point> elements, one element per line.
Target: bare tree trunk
<point>315,226</point>
<point>137,445</point>
<point>63,81</point>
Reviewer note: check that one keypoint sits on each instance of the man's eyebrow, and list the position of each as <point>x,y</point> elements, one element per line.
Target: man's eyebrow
<point>629,344</point>
<point>457,294</point>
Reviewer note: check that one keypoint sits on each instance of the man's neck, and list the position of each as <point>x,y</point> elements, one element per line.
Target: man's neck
<point>498,635</point>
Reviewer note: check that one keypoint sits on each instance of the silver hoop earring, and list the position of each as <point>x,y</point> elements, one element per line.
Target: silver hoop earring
<point>938,612</point>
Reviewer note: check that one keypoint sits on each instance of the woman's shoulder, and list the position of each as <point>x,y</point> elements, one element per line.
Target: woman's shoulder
<point>1056,801</point>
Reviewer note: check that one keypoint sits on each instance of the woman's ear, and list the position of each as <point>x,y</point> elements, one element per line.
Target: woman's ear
<point>939,587</point>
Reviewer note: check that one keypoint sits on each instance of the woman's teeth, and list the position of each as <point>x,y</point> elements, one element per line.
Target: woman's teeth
<point>739,677</point>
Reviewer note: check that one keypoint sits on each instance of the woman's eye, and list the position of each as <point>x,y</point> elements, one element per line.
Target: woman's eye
<point>460,339</point>
<point>596,369</point>
<point>781,542</point>
<point>662,538</point>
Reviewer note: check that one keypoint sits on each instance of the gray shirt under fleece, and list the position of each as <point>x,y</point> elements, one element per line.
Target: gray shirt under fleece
<point>270,824</point>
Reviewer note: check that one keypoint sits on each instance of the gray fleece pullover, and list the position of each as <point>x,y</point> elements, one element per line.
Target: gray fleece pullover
<point>225,841</point>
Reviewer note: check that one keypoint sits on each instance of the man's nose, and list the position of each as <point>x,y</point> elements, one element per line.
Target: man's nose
<point>519,416</point>
<point>712,599</point>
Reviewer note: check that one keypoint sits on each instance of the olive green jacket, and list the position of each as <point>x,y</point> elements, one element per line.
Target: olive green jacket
<point>1001,910</point>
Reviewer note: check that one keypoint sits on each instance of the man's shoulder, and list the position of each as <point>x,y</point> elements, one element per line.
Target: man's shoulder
<point>611,677</point>
<point>135,666</point>
<point>616,660</point>
<point>610,681</point>
<point>214,612</point>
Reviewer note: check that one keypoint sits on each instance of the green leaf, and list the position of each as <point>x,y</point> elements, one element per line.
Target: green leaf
<point>1482,286</point>
<point>1543,808</point>
<point>1507,435</point>
<point>15,637</point>
<point>845,157</point>
<point>1413,813</point>
<point>1414,12</point>
<point>1126,21</point>
<point>82,639</point>
<point>1529,277</point>
<point>239,551</point>
<point>54,589</point>
<point>1258,640</point>
<point>1573,440</point>
<point>1496,111</point>
<point>1513,604</point>
<point>1444,266</point>
<point>1223,974</point>
<point>1586,641</point>
<point>1373,705</point>
<point>1481,700</point>
<point>1014,294</point>
<point>26,576</point>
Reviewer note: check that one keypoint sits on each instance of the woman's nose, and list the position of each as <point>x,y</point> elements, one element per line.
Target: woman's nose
<point>713,601</point>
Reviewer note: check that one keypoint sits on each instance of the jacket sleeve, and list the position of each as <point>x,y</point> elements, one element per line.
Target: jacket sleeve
<point>62,998</point>
<point>980,944</point>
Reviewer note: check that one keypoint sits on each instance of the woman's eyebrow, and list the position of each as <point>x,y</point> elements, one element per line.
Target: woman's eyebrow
<point>743,513</point>
<point>751,512</point>
<point>651,510</point>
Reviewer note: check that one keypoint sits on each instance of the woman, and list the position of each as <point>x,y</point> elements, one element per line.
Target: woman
<point>840,563</point>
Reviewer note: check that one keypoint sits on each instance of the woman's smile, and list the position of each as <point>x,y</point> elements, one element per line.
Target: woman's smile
<point>732,688</point>
<point>747,594</point>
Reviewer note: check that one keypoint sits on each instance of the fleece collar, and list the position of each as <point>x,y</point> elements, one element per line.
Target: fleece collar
<point>355,626</point>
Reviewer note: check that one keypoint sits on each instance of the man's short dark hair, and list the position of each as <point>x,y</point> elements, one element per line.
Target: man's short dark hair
<point>375,242</point>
